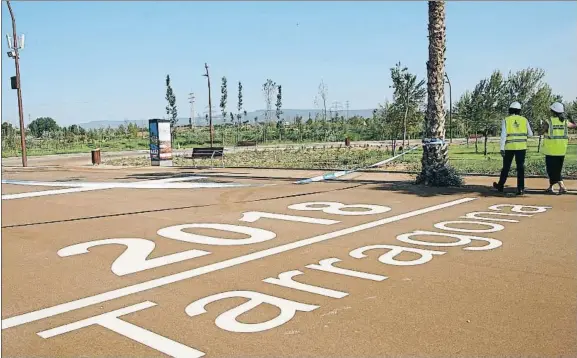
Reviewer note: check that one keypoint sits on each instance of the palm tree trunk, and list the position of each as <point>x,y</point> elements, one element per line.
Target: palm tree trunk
<point>435,156</point>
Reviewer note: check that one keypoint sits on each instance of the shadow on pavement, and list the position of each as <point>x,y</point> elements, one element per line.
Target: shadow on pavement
<point>237,175</point>
<point>222,175</point>
<point>407,187</point>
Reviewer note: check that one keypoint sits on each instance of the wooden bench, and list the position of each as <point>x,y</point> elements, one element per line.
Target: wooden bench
<point>247,143</point>
<point>209,152</point>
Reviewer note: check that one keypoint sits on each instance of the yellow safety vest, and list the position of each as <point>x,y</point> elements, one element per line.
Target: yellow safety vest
<point>516,132</point>
<point>556,139</point>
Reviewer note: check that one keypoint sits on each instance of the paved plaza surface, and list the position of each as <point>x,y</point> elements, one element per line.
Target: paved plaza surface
<point>223,262</point>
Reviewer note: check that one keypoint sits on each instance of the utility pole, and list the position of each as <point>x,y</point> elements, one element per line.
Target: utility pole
<point>450,110</point>
<point>191,100</point>
<point>209,106</point>
<point>14,53</point>
<point>347,104</point>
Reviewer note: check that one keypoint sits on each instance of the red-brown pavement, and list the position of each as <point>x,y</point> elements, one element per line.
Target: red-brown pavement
<point>517,298</point>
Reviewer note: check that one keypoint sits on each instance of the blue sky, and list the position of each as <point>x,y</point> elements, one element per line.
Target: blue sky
<point>89,60</point>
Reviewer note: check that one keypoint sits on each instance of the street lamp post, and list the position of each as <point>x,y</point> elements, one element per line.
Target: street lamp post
<point>450,110</point>
<point>14,53</point>
<point>191,99</point>
<point>209,107</point>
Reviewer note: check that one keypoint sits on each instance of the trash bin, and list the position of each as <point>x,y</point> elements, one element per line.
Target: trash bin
<point>96,156</point>
<point>347,142</point>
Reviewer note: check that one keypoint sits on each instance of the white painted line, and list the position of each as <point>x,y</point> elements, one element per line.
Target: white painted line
<point>75,187</point>
<point>130,185</point>
<point>144,286</point>
<point>46,192</point>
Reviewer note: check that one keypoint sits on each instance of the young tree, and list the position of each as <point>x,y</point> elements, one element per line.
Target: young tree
<point>408,94</point>
<point>223,97</point>
<point>239,107</point>
<point>490,100</point>
<point>268,89</point>
<point>435,170</point>
<point>278,102</point>
<point>171,110</point>
<point>463,113</point>
<point>278,105</point>
<point>321,98</point>
<point>133,130</point>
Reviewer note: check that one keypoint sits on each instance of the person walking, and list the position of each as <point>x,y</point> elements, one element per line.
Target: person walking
<point>555,143</point>
<point>515,130</point>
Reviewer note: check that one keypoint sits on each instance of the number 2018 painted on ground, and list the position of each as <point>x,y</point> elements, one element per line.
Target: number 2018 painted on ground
<point>134,258</point>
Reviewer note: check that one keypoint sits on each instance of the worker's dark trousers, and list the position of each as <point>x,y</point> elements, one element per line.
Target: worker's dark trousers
<point>554,164</point>
<point>519,161</point>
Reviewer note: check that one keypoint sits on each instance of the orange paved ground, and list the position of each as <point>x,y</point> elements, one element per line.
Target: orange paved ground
<point>517,298</point>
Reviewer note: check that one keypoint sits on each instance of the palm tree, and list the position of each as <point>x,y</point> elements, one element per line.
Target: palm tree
<point>435,170</point>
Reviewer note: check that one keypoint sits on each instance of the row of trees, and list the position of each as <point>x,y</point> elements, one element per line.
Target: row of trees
<point>477,112</point>
<point>482,109</point>
<point>46,129</point>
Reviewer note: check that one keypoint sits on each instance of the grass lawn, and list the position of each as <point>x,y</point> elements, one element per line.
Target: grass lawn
<point>340,158</point>
<point>465,160</point>
<point>462,157</point>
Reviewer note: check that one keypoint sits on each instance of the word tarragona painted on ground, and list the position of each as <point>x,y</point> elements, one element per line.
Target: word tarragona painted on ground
<point>134,260</point>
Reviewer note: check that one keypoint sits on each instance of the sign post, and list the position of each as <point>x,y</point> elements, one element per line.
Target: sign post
<point>160,142</point>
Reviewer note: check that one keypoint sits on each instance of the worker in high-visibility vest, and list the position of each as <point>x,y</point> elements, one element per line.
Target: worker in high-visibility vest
<point>555,141</point>
<point>515,130</point>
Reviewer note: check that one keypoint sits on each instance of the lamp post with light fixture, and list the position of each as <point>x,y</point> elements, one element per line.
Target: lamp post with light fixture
<point>14,53</point>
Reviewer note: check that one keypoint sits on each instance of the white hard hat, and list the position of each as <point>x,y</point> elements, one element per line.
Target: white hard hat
<point>557,107</point>
<point>515,105</point>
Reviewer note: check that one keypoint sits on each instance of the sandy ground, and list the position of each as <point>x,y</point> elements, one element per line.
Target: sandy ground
<point>502,288</point>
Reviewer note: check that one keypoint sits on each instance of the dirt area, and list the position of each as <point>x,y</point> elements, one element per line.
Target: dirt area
<point>194,270</point>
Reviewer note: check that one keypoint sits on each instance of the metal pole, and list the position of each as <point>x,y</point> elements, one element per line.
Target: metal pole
<point>209,106</point>
<point>18,90</point>
<point>191,100</point>
<point>450,110</point>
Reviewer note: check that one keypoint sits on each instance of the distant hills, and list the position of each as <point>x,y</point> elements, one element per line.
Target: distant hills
<point>288,115</point>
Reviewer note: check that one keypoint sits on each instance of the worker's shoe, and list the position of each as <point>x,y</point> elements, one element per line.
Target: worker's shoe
<point>498,187</point>
<point>520,192</point>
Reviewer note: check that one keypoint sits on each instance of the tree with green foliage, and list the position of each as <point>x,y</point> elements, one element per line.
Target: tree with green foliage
<point>537,109</point>
<point>522,85</point>
<point>268,89</point>
<point>171,109</point>
<point>278,102</point>
<point>278,105</point>
<point>321,98</point>
<point>408,94</point>
<point>132,130</point>
<point>492,106</point>
<point>239,105</point>
<point>462,113</point>
<point>42,125</point>
<point>571,109</point>
<point>223,98</point>
<point>9,133</point>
